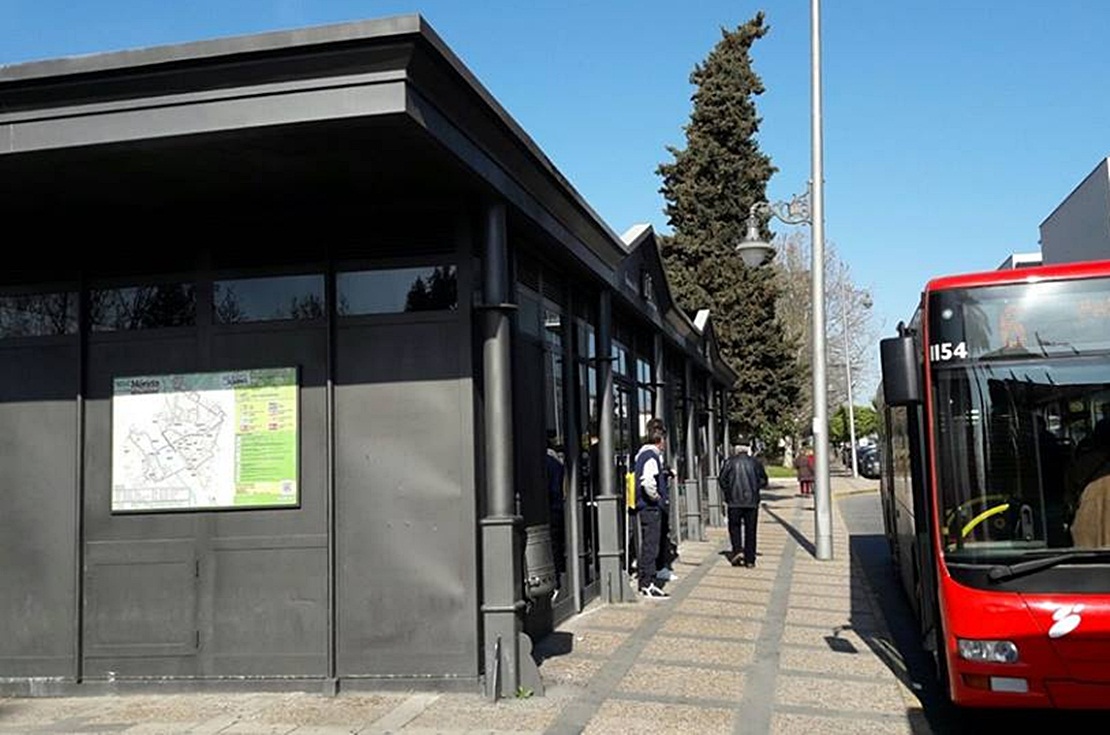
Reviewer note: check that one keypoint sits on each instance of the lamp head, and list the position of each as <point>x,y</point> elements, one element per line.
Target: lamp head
<point>753,250</point>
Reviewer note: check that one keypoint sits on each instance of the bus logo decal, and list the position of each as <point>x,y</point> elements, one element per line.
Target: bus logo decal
<point>1067,619</point>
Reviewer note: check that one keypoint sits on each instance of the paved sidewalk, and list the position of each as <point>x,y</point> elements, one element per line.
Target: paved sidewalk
<point>795,645</point>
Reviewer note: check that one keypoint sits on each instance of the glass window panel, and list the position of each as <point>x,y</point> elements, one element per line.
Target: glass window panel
<point>1051,318</point>
<point>528,314</point>
<point>553,368</point>
<point>143,307</point>
<point>38,315</point>
<point>397,290</point>
<point>268,299</point>
<point>646,394</point>
<point>1017,447</point>
<point>622,364</point>
<point>553,329</point>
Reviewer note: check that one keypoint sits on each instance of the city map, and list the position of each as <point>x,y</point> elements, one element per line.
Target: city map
<point>204,440</point>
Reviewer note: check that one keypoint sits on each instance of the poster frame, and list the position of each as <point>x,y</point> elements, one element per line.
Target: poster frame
<point>293,505</point>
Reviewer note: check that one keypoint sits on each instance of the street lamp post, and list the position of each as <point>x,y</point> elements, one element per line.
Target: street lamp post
<point>848,378</point>
<point>866,303</point>
<point>754,251</point>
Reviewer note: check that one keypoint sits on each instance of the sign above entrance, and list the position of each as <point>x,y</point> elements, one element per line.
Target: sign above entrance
<point>204,441</point>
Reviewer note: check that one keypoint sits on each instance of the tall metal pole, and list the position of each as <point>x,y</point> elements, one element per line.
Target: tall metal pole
<point>848,369</point>
<point>821,491</point>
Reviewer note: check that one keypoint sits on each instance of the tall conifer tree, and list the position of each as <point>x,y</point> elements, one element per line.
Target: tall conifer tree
<point>709,188</point>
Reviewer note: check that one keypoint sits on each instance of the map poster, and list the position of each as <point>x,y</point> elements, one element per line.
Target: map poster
<point>205,440</point>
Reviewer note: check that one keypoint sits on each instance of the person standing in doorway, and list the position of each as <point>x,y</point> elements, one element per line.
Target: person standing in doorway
<point>742,479</point>
<point>668,547</point>
<point>651,489</point>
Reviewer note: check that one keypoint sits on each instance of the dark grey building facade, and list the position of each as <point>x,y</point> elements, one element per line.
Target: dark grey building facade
<point>325,272</point>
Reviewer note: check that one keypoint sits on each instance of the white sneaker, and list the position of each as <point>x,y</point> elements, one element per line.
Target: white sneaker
<point>666,575</point>
<point>652,592</point>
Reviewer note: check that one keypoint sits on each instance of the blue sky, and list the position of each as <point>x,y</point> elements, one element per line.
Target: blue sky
<point>952,127</point>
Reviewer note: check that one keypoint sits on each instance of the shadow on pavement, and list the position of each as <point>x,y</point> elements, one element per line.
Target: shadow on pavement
<point>557,643</point>
<point>901,651</point>
<point>800,537</point>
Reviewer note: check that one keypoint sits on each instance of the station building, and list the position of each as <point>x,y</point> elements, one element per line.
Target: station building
<point>316,372</point>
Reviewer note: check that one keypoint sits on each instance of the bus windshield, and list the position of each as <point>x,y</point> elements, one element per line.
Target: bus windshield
<point>1017,446</point>
<point>1021,408</point>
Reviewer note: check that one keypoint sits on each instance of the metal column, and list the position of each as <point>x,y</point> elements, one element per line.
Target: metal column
<point>694,528</point>
<point>712,463</point>
<point>660,409</point>
<point>610,505</point>
<point>727,428</point>
<point>573,452</point>
<point>507,649</point>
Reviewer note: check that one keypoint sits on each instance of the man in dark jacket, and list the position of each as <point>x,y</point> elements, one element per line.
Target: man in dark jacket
<point>741,479</point>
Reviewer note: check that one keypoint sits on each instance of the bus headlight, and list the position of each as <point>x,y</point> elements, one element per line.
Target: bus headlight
<point>991,652</point>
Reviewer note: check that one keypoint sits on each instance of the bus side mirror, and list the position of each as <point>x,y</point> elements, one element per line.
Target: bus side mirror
<point>901,378</point>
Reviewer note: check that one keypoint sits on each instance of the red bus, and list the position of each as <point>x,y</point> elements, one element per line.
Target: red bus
<point>995,486</point>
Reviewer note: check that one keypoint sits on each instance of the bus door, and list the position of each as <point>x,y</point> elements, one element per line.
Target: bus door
<point>925,552</point>
<point>903,386</point>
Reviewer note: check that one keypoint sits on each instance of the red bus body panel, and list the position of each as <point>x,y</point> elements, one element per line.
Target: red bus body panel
<point>1063,645</point>
<point>1090,269</point>
<point>1066,671</point>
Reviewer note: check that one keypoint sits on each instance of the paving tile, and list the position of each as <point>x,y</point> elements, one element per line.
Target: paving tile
<point>695,651</point>
<point>790,724</point>
<point>819,589</point>
<point>573,670</point>
<point>651,678</point>
<point>619,717</point>
<point>863,663</point>
<point>827,638</point>
<point>730,583</point>
<point>839,603</point>
<point>595,642</point>
<point>830,589</point>
<point>259,728</point>
<point>830,618</point>
<point>700,625</point>
<point>625,617</point>
<point>842,566</point>
<point>302,709</point>
<point>731,593</point>
<point>816,577</point>
<point>742,575</point>
<point>151,728</point>
<point>844,581</point>
<point>17,712</point>
<point>455,712</point>
<point>722,608</point>
<point>839,694</point>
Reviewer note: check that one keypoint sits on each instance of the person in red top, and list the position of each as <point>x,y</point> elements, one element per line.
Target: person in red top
<point>803,464</point>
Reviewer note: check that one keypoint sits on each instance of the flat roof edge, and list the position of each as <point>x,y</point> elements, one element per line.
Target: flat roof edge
<point>400,25</point>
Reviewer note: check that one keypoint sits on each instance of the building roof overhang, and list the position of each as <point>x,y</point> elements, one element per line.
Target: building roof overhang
<point>356,113</point>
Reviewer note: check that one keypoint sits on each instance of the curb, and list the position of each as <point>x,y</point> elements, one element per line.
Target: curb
<point>843,493</point>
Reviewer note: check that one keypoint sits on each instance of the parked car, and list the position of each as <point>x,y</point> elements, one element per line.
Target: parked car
<point>869,461</point>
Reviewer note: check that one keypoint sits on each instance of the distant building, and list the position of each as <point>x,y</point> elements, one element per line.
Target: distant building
<point>1079,228</point>
<point>1020,260</point>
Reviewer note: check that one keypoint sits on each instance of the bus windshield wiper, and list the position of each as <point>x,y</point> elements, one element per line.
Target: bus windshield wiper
<point>1001,572</point>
